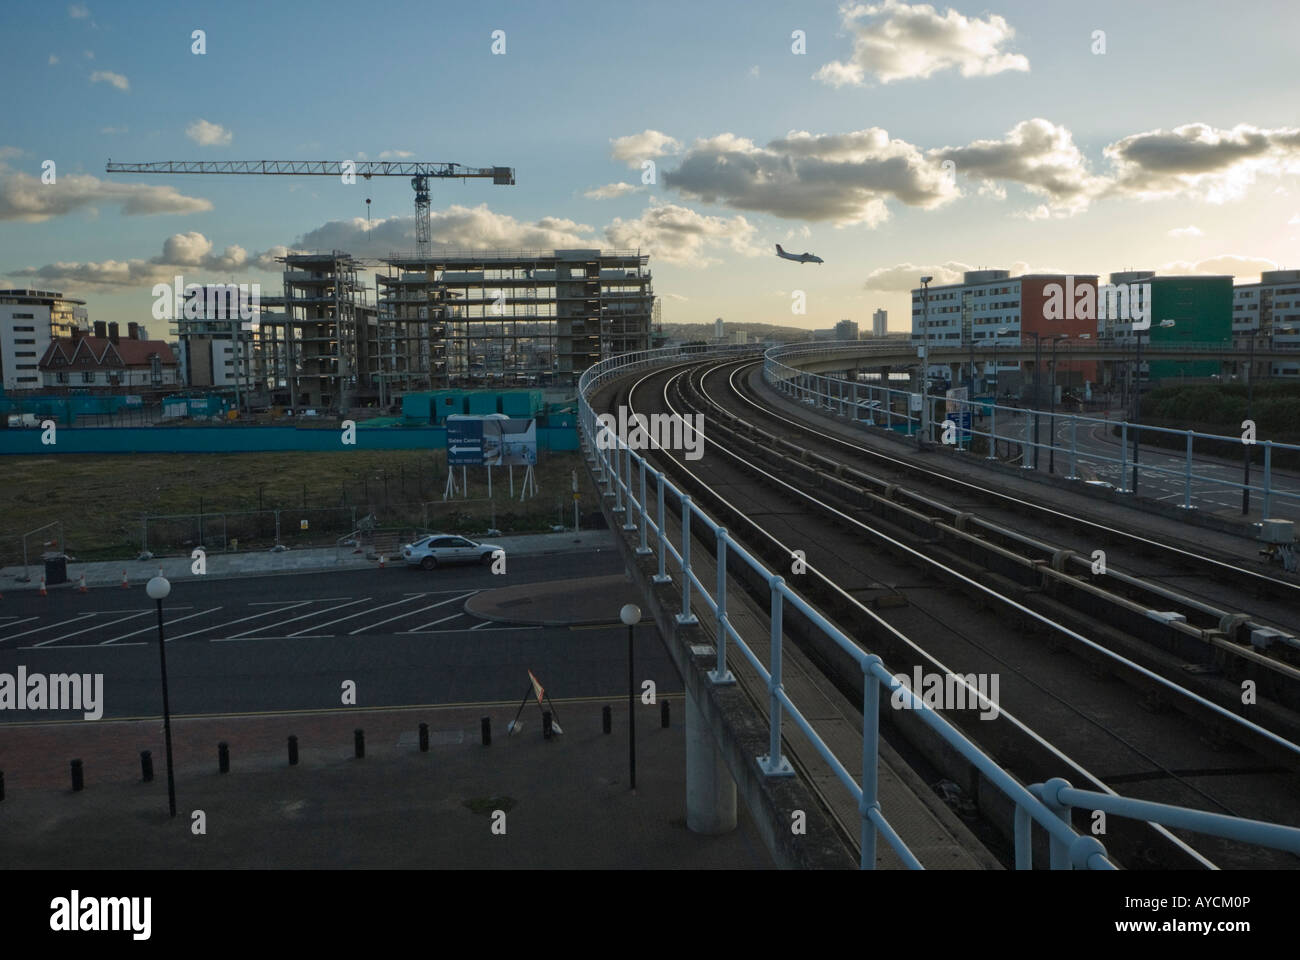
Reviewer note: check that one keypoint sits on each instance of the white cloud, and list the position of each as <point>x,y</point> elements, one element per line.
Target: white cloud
<point>112,130</point>
<point>897,41</point>
<point>1294,220</point>
<point>107,76</point>
<point>78,11</point>
<point>675,296</point>
<point>7,152</point>
<point>207,134</point>
<point>753,71</point>
<point>645,145</point>
<point>187,254</point>
<point>1243,269</point>
<point>396,155</point>
<point>903,277</point>
<point>24,198</point>
<point>677,234</point>
<point>612,191</point>
<point>844,178</point>
<point>1188,231</point>
<point>53,60</point>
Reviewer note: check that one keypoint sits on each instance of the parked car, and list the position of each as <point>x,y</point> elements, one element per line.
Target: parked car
<point>440,549</point>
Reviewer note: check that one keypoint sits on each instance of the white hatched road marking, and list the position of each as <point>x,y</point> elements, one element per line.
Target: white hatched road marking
<point>15,636</point>
<point>86,646</point>
<point>353,616</point>
<point>314,613</point>
<point>154,627</point>
<point>420,629</point>
<point>441,603</point>
<point>438,633</point>
<point>16,623</point>
<point>265,613</point>
<point>480,626</point>
<point>242,637</point>
<point>94,626</point>
<point>272,603</point>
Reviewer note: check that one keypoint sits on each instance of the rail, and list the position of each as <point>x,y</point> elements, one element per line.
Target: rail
<point>1068,849</point>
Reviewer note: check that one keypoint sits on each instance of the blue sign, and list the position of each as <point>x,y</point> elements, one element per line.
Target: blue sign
<point>464,443</point>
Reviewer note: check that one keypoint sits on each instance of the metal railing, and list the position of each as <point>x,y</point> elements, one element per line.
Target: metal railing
<point>616,466</point>
<point>893,409</point>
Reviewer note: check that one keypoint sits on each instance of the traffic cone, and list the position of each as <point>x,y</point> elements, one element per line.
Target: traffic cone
<point>43,593</point>
<point>81,585</point>
<point>381,561</point>
<point>125,584</point>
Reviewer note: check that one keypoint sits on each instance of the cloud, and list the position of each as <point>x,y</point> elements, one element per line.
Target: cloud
<point>1190,231</point>
<point>1294,220</point>
<point>636,147</point>
<point>53,60</point>
<point>107,76</point>
<point>182,253</point>
<point>7,152</point>
<point>112,130</point>
<point>897,41</point>
<point>904,277</point>
<point>1242,268</point>
<point>753,71</point>
<point>456,227</point>
<point>1039,155</point>
<point>844,178</point>
<point>78,11</point>
<point>396,155</point>
<point>207,134</point>
<point>1200,161</point>
<point>676,296</point>
<point>612,191</point>
<point>677,234</point>
<point>24,198</point>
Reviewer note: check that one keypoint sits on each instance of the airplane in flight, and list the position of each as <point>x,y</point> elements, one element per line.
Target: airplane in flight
<point>797,257</point>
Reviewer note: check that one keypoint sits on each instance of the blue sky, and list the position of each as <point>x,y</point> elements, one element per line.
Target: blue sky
<point>1063,158</point>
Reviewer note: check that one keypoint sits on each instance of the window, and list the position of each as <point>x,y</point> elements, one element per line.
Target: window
<point>24,353</point>
<point>88,376</point>
<point>24,316</point>
<point>61,377</point>
<point>26,366</point>
<point>27,379</point>
<point>25,340</point>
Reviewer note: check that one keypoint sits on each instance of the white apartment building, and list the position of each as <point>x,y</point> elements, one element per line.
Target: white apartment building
<point>29,321</point>
<point>879,323</point>
<point>1269,309</point>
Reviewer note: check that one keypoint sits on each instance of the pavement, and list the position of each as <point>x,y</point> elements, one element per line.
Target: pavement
<point>227,565</point>
<point>564,803</point>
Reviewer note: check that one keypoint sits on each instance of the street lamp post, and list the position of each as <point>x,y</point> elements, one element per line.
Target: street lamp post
<point>923,420</point>
<point>1051,428</point>
<point>631,615</point>
<point>1245,447</point>
<point>1137,402</point>
<point>158,588</point>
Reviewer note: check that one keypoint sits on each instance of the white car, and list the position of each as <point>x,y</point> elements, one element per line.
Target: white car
<point>440,549</point>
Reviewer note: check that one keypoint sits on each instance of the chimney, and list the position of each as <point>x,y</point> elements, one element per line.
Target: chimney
<point>100,329</point>
<point>133,331</point>
<point>112,332</point>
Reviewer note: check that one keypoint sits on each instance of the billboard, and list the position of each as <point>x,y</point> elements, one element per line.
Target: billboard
<point>492,440</point>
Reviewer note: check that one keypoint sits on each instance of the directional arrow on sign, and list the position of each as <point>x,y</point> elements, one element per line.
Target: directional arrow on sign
<point>474,449</point>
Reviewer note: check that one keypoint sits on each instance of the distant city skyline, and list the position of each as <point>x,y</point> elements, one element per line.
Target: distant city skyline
<point>892,140</point>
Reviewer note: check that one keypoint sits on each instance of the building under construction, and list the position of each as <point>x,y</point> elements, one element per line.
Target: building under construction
<point>513,317</point>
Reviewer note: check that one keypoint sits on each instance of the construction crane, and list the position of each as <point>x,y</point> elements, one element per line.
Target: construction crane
<point>420,174</point>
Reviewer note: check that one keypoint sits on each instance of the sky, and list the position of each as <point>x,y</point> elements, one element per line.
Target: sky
<point>891,139</point>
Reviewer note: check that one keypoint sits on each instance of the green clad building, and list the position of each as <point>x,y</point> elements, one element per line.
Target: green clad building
<point>1201,310</point>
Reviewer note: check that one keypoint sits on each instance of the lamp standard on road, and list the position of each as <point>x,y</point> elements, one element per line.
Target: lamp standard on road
<point>631,615</point>
<point>158,588</point>
<point>1051,427</point>
<point>1137,400</point>
<point>923,423</point>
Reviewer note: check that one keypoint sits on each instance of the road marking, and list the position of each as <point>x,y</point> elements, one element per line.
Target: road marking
<point>271,603</point>
<point>314,613</point>
<point>245,636</point>
<point>85,646</point>
<point>441,603</point>
<point>420,629</point>
<point>93,627</point>
<point>434,633</point>
<point>169,623</point>
<point>240,620</point>
<point>51,626</point>
<point>480,626</point>
<point>353,616</point>
<point>16,623</point>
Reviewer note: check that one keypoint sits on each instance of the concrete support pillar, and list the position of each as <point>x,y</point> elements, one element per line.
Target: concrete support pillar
<point>710,791</point>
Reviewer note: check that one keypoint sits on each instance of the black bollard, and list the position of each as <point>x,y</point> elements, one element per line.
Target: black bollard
<point>359,743</point>
<point>2,784</point>
<point>223,757</point>
<point>424,738</point>
<point>146,766</point>
<point>77,781</point>
<point>663,714</point>
<point>293,750</point>
<point>486,726</point>
<point>547,731</point>
<point>606,720</point>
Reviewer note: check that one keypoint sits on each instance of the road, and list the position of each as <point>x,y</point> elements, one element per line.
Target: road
<point>289,642</point>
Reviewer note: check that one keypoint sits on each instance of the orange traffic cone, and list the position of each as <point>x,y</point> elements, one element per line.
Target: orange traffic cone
<point>125,584</point>
<point>81,585</point>
<point>43,593</point>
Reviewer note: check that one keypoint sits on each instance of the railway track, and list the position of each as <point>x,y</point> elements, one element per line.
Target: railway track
<point>1082,720</point>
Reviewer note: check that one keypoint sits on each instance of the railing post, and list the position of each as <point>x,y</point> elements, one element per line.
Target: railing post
<point>1268,477</point>
<point>1187,478</point>
<point>686,616</point>
<point>870,760</point>
<point>1024,839</point>
<point>645,547</point>
<point>1059,850</point>
<point>662,575</point>
<point>1123,457</point>
<point>616,479</point>
<point>774,764</point>
<point>720,674</point>
<point>628,522</point>
<point>1026,448</point>
<point>993,429</point>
